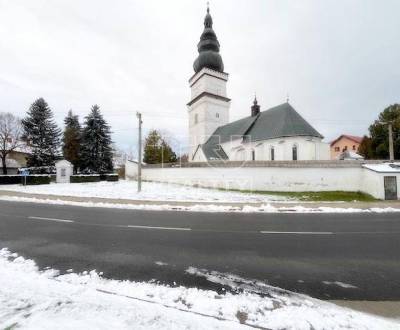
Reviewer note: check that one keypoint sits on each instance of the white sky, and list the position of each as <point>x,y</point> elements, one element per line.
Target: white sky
<point>338,60</point>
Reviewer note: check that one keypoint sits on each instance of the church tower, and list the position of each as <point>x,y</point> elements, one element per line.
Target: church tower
<point>209,105</point>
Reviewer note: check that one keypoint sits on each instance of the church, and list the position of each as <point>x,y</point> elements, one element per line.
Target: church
<point>279,133</point>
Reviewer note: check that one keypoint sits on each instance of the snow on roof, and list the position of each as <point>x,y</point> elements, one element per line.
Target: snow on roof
<point>384,167</point>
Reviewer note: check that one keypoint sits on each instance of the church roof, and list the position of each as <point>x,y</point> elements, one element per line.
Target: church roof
<point>280,121</point>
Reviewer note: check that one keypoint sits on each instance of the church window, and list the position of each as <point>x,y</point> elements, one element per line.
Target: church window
<point>272,151</point>
<point>196,118</point>
<point>294,152</point>
<point>253,155</point>
<point>217,115</point>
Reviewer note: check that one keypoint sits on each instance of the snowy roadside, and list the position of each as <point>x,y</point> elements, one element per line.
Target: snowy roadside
<point>205,207</point>
<point>172,197</point>
<point>150,191</point>
<point>34,299</point>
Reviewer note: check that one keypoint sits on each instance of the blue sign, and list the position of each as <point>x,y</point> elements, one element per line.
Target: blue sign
<point>25,173</point>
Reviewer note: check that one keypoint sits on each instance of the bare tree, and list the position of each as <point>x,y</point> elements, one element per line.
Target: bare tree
<point>10,136</point>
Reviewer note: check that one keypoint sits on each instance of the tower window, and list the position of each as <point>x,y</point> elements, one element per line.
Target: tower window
<point>217,115</point>
<point>272,153</point>
<point>196,118</point>
<point>253,155</point>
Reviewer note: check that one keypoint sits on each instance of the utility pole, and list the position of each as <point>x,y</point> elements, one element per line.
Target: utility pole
<point>391,148</point>
<point>139,187</point>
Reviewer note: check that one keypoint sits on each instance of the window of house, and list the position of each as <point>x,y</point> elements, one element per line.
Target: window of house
<point>337,149</point>
<point>63,172</point>
<point>196,118</point>
<point>272,151</point>
<point>354,147</point>
<point>345,148</point>
<point>294,152</point>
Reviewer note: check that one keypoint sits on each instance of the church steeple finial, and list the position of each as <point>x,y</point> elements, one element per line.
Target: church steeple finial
<point>208,7</point>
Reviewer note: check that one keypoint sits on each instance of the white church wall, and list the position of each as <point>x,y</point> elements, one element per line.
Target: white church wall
<point>264,178</point>
<point>307,149</point>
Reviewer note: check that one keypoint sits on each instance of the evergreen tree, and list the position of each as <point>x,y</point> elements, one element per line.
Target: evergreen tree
<point>42,133</point>
<point>365,148</point>
<point>72,140</point>
<point>157,150</point>
<point>379,141</point>
<point>96,147</point>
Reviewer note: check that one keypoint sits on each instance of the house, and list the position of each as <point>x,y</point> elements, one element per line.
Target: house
<point>279,133</point>
<point>345,143</point>
<point>16,159</point>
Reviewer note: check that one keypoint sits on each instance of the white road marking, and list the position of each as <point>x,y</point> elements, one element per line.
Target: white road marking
<point>299,232</point>
<point>159,228</point>
<point>51,219</point>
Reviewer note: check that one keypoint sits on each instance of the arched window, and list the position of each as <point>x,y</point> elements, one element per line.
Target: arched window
<point>272,153</point>
<point>241,155</point>
<point>294,152</point>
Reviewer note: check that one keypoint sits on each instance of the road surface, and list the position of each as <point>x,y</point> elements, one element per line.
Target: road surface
<point>353,256</point>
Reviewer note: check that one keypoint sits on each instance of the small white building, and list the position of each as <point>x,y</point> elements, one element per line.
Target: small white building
<point>279,133</point>
<point>64,171</point>
<point>382,180</point>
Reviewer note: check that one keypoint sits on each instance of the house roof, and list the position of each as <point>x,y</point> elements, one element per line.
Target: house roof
<point>354,138</point>
<point>280,121</point>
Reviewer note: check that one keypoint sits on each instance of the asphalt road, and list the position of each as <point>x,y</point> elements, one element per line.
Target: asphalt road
<point>305,253</point>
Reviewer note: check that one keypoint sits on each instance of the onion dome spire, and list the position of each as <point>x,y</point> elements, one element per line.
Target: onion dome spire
<point>208,48</point>
<point>255,108</point>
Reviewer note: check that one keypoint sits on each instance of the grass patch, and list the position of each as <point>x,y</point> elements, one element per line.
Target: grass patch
<point>318,196</point>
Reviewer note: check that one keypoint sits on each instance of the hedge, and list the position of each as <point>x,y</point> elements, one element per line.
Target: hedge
<point>10,179</point>
<point>30,179</point>
<point>85,178</point>
<point>109,177</point>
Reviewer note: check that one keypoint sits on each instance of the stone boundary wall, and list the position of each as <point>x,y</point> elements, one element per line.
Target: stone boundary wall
<point>290,164</point>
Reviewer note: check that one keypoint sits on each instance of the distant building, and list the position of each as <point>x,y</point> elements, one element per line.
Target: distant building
<point>345,143</point>
<point>279,133</point>
<point>17,159</point>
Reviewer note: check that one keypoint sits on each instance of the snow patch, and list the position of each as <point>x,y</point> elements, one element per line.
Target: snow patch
<point>34,299</point>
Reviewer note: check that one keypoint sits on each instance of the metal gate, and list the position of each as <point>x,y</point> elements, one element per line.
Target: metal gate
<point>390,184</point>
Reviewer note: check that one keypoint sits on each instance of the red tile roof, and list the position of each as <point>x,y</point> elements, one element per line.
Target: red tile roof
<point>354,138</point>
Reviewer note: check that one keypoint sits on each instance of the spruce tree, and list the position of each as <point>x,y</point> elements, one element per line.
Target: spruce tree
<point>96,147</point>
<point>157,150</point>
<point>42,133</point>
<point>72,140</point>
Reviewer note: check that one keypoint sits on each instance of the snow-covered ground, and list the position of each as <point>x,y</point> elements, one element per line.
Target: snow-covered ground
<point>199,199</point>
<point>35,299</point>
<point>150,191</point>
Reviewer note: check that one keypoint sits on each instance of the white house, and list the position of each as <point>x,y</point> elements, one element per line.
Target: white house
<point>279,133</point>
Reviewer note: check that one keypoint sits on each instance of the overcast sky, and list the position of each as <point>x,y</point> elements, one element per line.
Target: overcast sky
<point>338,60</point>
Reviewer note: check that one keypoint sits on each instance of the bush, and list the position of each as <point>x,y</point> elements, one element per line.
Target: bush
<point>30,179</point>
<point>112,177</point>
<point>109,177</point>
<point>37,179</point>
<point>10,179</point>
<point>85,178</point>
